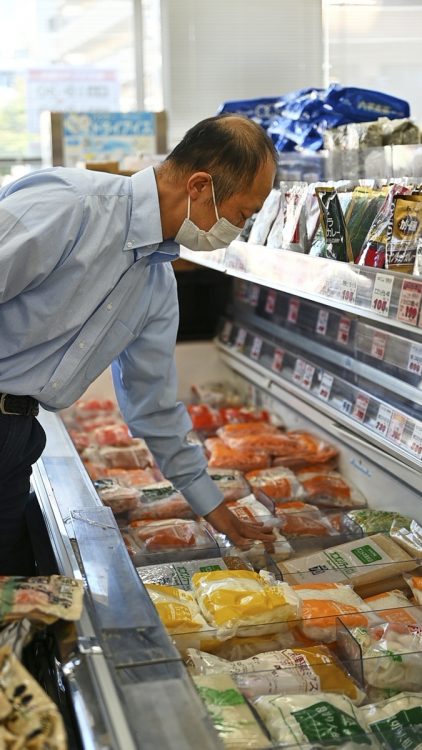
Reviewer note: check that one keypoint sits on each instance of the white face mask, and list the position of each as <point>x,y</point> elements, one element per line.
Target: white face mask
<point>221,234</point>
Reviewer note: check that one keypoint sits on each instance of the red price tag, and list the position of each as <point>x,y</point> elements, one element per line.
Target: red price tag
<point>360,407</point>
<point>325,386</point>
<point>256,348</point>
<point>409,302</point>
<point>414,363</point>
<point>240,339</point>
<point>379,342</point>
<point>396,428</point>
<point>293,313</point>
<point>277,363</point>
<point>343,332</point>
<point>322,322</point>
<point>299,371</point>
<point>226,332</point>
<point>415,445</point>
<point>242,291</point>
<point>254,295</point>
<point>270,301</point>
<point>308,376</point>
<point>383,420</point>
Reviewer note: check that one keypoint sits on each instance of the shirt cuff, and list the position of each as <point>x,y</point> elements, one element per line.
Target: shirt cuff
<point>203,495</point>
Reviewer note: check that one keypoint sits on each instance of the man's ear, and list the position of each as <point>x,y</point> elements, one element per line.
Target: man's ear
<point>197,184</point>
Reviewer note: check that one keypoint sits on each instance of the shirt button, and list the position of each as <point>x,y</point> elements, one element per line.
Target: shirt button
<point>55,384</point>
<point>109,306</point>
<point>129,244</point>
<point>82,345</point>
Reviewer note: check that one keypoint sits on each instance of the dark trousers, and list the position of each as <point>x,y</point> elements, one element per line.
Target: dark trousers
<point>22,440</point>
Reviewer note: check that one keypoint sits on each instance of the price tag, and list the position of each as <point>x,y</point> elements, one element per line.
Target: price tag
<point>415,445</point>
<point>414,363</point>
<point>381,295</point>
<point>299,371</point>
<point>293,312</point>
<point>256,348</point>
<point>308,376</point>
<point>346,406</point>
<point>240,339</point>
<point>254,295</point>
<point>270,301</point>
<point>322,322</point>
<point>379,342</point>
<point>396,428</point>
<point>409,302</point>
<point>360,407</point>
<point>348,289</point>
<point>226,332</point>
<point>325,386</point>
<point>383,419</point>
<point>277,363</point>
<point>343,332</point>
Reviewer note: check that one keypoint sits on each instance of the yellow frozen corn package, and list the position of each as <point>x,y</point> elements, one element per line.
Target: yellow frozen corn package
<point>323,603</point>
<point>177,609</point>
<point>241,599</point>
<point>290,670</point>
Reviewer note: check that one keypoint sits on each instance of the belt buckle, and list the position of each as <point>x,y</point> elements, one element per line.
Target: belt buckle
<point>3,410</point>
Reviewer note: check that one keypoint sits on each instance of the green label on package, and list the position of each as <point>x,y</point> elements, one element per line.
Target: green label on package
<point>338,563</point>
<point>322,722</point>
<point>366,554</point>
<point>403,730</point>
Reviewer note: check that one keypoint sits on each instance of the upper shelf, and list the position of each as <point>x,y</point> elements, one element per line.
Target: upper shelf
<point>382,296</point>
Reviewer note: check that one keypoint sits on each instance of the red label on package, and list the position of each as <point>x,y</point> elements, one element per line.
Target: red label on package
<point>415,445</point>
<point>343,332</point>
<point>325,386</point>
<point>381,295</point>
<point>414,363</point>
<point>322,322</point>
<point>226,332</point>
<point>270,301</point>
<point>299,371</point>
<point>256,348</point>
<point>254,295</point>
<point>409,302</point>
<point>396,428</point>
<point>379,342</point>
<point>383,419</point>
<point>308,376</point>
<point>240,338</point>
<point>277,363</point>
<point>242,292</point>
<point>293,312</point>
<point>360,407</point>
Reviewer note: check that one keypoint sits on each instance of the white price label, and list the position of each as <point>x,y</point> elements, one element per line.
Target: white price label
<point>277,363</point>
<point>360,407</point>
<point>348,289</point>
<point>240,339</point>
<point>343,332</point>
<point>293,312</point>
<point>383,419</point>
<point>254,295</point>
<point>409,302</point>
<point>414,363</point>
<point>415,445</point>
<point>346,406</point>
<point>308,376</point>
<point>396,428</point>
<point>226,332</point>
<point>256,348</point>
<point>325,386</point>
<point>379,342</point>
<point>270,301</point>
<point>381,294</point>
<point>299,371</point>
<point>322,322</point>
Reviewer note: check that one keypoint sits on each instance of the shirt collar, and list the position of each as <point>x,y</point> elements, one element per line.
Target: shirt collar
<point>145,221</point>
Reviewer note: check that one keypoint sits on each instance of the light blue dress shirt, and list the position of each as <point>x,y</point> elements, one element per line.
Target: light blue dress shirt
<point>85,281</point>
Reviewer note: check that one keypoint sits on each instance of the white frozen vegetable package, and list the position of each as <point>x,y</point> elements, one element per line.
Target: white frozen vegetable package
<point>396,722</point>
<point>392,655</point>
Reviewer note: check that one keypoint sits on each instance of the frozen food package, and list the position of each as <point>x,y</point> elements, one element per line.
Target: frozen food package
<point>160,500</point>
<point>391,655</point>
<point>329,489</point>
<point>217,394</point>
<point>242,647</point>
<point>40,598</point>
<point>243,414</point>
<point>309,449</point>
<point>289,670</point>
<point>299,519</point>
<point>205,418</point>
<point>230,482</point>
<point>278,483</point>
<point>89,409</point>
<point>134,456</point>
<point>361,562</point>
<point>233,720</point>
<point>265,218</point>
<point>323,603</point>
<point>250,509</point>
<point>374,247</point>
<point>409,536</point>
<point>337,239</point>
<point>81,440</point>
<point>120,499</point>
<point>396,723</point>
<point>394,606</point>
<point>274,444</point>
<point>180,573</point>
<point>294,196</point>
<point>221,456</point>
<point>134,477</point>
<point>242,600</point>
<point>377,521</point>
<point>415,583</point>
<point>177,608</point>
<point>29,717</point>
<point>239,430</point>
<point>311,721</point>
<point>114,434</point>
<point>406,230</point>
<point>17,634</point>
<point>276,234</point>
<point>169,534</point>
<point>363,208</point>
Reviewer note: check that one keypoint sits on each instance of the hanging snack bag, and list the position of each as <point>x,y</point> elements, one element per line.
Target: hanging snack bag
<point>265,218</point>
<point>295,196</point>
<point>334,225</point>
<point>364,206</point>
<point>406,231</point>
<point>374,248</point>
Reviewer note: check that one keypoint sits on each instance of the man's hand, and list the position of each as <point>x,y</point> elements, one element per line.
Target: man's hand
<point>240,533</point>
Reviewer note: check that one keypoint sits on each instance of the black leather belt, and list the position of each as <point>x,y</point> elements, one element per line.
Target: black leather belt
<point>24,406</point>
